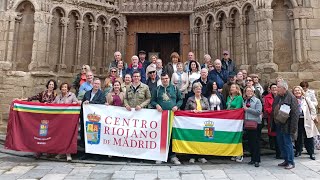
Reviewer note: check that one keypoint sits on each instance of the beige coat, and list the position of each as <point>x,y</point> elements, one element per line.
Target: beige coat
<point>309,112</point>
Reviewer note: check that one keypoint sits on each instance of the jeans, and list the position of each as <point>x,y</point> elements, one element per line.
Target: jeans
<point>285,146</point>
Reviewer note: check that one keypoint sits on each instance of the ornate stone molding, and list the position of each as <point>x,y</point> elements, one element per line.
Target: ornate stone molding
<point>106,5</point>
<point>217,26</point>
<point>93,26</point>
<point>156,6</point>
<point>243,20</point>
<point>64,21</point>
<point>202,5</point>
<point>230,23</point>
<point>79,24</point>
<point>18,17</point>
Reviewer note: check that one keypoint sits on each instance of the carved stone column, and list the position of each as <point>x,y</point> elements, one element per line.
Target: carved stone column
<point>106,34</point>
<point>230,25</point>
<point>217,28</point>
<point>16,26</point>
<point>61,66</point>
<point>195,35</point>
<point>243,24</point>
<point>120,32</point>
<point>205,31</point>
<point>93,29</point>
<point>79,27</point>
<point>49,18</point>
<point>264,38</point>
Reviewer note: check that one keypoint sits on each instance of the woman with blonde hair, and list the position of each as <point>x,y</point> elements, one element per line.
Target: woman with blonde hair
<point>113,75</point>
<point>80,78</point>
<point>180,79</point>
<point>306,124</point>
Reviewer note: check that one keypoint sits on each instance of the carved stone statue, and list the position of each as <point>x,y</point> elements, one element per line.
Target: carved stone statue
<point>130,5</point>
<point>172,8</point>
<point>144,6</point>
<point>166,6</point>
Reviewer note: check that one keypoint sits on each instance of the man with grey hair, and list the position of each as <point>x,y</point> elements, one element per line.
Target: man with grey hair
<point>117,57</point>
<point>286,122</point>
<point>136,66</point>
<point>203,80</point>
<point>218,75</point>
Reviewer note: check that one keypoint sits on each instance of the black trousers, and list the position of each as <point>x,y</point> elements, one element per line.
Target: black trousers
<point>308,142</point>
<point>254,143</point>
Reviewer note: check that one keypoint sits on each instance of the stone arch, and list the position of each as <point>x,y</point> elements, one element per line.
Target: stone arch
<point>245,6</point>
<point>100,46</point>
<point>209,20</point>
<point>283,34</point>
<point>115,20</point>
<point>56,34</point>
<point>86,41</point>
<point>221,30</point>
<point>250,41</point>
<point>293,3</point>
<point>33,2</point>
<point>235,35</point>
<point>61,9</point>
<point>72,40</point>
<point>23,35</point>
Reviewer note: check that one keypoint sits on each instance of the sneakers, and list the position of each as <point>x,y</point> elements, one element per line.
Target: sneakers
<point>202,160</point>
<point>69,158</point>
<point>192,160</point>
<point>175,161</point>
<point>239,158</point>
<point>233,158</point>
<point>59,156</point>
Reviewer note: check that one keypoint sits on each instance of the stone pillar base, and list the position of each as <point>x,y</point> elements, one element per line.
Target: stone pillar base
<point>61,67</point>
<point>5,65</point>
<point>267,68</point>
<point>245,67</point>
<point>76,69</point>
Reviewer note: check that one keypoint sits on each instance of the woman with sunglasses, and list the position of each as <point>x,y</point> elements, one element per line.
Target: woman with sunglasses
<point>111,78</point>
<point>80,78</point>
<point>152,78</point>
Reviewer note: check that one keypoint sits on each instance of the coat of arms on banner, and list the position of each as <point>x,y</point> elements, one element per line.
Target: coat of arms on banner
<point>208,129</point>
<point>93,127</point>
<point>44,125</point>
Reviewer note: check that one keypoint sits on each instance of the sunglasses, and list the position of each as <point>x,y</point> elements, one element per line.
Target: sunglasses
<point>249,80</point>
<point>225,54</point>
<point>151,72</point>
<point>113,71</point>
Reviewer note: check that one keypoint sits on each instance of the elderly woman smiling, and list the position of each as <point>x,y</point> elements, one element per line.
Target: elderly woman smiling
<point>197,103</point>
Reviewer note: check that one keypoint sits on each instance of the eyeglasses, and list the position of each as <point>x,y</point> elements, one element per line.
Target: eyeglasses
<point>151,72</point>
<point>135,76</point>
<point>249,80</point>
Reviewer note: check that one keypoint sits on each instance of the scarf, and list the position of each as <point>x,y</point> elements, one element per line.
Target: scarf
<point>179,78</point>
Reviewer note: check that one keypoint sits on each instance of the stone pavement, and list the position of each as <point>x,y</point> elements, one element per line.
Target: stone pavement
<point>25,167</point>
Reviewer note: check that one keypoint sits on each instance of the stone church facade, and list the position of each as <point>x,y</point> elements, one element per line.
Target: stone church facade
<point>42,39</point>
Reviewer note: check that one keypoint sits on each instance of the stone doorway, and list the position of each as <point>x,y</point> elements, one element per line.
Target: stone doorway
<point>158,33</point>
<point>160,44</point>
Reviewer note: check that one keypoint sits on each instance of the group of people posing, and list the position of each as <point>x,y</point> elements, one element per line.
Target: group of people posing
<point>211,86</point>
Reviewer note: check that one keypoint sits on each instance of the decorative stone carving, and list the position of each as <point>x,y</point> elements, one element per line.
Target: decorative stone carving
<point>290,14</point>
<point>18,17</point>
<point>243,20</point>
<point>64,21</point>
<point>230,23</point>
<point>79,24</point>
<point>217,26</point>
<point>10,4</point>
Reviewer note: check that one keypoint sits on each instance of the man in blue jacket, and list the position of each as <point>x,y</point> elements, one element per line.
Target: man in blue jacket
<point>218,75</point>
<point>136,66</point>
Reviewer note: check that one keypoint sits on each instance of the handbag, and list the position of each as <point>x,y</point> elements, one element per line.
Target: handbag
<point>280,116</point>
<point>250,125</point>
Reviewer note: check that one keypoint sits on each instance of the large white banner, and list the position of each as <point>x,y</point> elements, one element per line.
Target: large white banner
<point>111,130</point>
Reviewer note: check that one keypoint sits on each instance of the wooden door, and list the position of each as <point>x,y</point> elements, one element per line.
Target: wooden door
<point>158,25</point>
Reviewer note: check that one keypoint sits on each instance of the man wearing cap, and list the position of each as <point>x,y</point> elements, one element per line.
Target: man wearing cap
<point>226,87</point>
<point>227,63</point>
<point>136,66</point>
<point>117,58</point>
<point>153,80</point>
<point>142,59</point>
